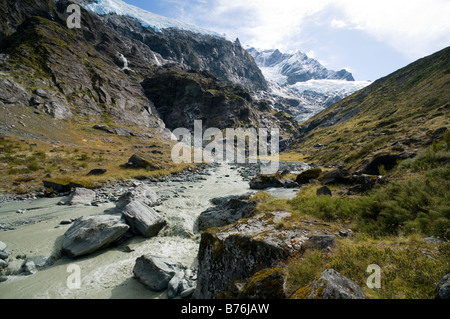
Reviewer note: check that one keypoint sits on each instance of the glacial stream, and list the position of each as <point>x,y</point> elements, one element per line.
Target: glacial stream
<point>109,273</point>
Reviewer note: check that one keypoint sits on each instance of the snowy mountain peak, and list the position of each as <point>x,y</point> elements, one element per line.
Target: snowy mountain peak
<point>291,68</point>
<point>147,19</point>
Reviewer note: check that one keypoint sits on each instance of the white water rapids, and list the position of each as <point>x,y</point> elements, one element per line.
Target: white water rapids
<point>109,273</point>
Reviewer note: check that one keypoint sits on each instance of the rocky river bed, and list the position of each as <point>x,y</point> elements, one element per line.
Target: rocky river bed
<point>33,230</point>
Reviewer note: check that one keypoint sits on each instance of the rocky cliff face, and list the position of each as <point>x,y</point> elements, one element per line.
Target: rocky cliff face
<point>224,59</point>
<point>181,97</point>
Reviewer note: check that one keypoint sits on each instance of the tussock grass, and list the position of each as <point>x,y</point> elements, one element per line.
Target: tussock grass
<point>410,267</point>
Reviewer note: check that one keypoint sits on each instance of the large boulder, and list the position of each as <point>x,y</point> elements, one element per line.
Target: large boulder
<point>239,250</point>
<point>330,285</point>
<point>143,161</point>
<point>142,219</point>
<point>142,193</point>
<point>306,176</point>
<point>388,162</point>
<point>336,176</point>
<point>155,272</point>
<point>226,213</point>
<point>92,233</point>
<point>443,288</point>
<point>82,196</point>
<point>267,181</point>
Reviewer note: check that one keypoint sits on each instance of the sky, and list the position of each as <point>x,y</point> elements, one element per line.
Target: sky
<point>370,38</point>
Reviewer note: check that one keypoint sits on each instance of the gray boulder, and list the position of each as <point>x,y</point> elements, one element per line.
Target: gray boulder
<point>82,196</point>
<point>4,254</point>
<point>173,288</point>
<point>2,245</point>
<point>3,264</point>
<point>262,181</point>
<point>155,272</point>
<point>92,233</point>
<point>143,193</point>
<point>182,284</point>
<point>226,213</point>
<point>41,262</point>
<point>330,285</point>
<point>443,288</point>
<point>142,219</point>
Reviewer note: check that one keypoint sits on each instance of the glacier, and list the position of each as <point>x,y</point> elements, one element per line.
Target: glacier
<point>146,18</point>
<point>330,86</point>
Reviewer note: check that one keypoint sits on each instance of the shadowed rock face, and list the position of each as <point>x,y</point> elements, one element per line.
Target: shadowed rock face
<point>181,97</point>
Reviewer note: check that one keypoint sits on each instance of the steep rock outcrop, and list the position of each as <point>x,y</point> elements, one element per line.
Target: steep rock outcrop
<point>240,250</point>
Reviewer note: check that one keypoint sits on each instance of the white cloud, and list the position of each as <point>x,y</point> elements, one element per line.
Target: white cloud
<point>338,24</point>
<point>412,27</point>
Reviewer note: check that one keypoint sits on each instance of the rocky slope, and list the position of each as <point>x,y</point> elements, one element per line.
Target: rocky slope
<point>65,72</point>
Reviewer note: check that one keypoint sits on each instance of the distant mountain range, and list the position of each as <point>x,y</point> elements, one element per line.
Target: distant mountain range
<point>288,69</point>
<point>302,86</point>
